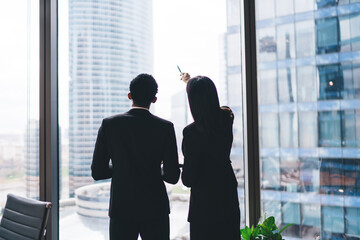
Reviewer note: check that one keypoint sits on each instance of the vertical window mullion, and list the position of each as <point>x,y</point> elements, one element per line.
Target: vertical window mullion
<point>251,121</point>
<point>49,159</point>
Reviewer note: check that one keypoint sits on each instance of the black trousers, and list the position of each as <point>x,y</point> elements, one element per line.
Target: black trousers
<point>156,229</point>
<point>227,230</point>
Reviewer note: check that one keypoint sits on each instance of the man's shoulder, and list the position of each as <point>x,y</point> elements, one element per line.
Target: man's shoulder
<point>127,115</point>
<point>115,117</point>
<point>162,120</point>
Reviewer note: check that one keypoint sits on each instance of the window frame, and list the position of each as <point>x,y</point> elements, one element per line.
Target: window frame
<point>49,132</point>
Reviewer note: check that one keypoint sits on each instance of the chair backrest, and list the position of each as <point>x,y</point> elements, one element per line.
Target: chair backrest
<point>24,219</point>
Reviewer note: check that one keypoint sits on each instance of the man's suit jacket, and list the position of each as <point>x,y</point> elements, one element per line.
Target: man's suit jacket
<point>137,143</point>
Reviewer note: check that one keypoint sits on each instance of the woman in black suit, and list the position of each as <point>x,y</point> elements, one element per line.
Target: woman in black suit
<point>214,206</point>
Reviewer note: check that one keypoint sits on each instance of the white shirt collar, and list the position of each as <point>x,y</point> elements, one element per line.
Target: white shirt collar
<point>140,108</point>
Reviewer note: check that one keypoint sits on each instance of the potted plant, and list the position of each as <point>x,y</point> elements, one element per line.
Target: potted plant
<point>266,230</point>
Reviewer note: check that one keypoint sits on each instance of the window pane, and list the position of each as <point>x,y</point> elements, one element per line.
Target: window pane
<point>290,174</point>
<point>265,9</point>
<point>345,37</point>
<point>325,3</point>
<point>355,32</point>
<point>285,41</point>
<point>291,213</point>
<point>356,79</point>
<point>103,45</point>
<point>288,130</point>
<point>309,175</point>
<point>284,7</point>
<point>19,99</point>
<point>270,169</point>
<point>305,39</point>
<point>266,44</point>
<point>349,90</point>
<point>330,82</point>
<point>267,87</point>
<point>329,129</point>
<point>309,125</point>
<point>306,84</point>
<point>327,35</point>
<point>352,216</point>
<point>286,85</point>
<point>269,130</point>
<point>304,5</point>
<point>348,127</point>
<point>308,130</point>
<point>333,219</point>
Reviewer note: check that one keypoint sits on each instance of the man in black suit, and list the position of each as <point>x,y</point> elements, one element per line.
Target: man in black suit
<point>137,143</point>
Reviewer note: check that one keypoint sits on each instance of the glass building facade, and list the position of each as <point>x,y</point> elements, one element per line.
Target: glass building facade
<point>309,124</point>
<point>110,42</point>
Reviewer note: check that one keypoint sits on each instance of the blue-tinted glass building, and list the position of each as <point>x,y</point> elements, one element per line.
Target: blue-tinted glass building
<point>308,55</point>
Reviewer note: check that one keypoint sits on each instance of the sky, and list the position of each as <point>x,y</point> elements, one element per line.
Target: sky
<point>186,33</point>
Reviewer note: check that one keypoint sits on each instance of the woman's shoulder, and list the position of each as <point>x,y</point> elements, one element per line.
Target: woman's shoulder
<point>189,128</point>
<point>228,114</point>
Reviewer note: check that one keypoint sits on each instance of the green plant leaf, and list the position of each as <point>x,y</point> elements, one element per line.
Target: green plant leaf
<point>269,223</point>
<point>290,224</point>
<point>265,232</point>
<point>256,232</point>
<point>246,233</point>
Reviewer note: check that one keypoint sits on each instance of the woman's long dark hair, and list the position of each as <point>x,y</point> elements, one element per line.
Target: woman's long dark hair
<point>204,104</point>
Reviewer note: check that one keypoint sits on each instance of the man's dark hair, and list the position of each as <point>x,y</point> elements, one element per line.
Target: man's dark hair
<point>143,89</point>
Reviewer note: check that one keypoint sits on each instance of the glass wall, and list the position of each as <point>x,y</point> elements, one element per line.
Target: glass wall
<point>19,99</point>
<point>308,89</point>
<point>105,44</point>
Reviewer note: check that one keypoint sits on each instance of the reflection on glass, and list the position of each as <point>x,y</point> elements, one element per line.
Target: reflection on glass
<point>308,130</point>
<point>285,41</point>
<point>265,9</point>
<point>355,32</point>
<point>304,5</point>
<point>266,44</point>
<point>348,90</point>
<point>269,130</point>
<point>267,87</point>
<point>287,85</point>
<point>327,35</point>
<point>329,129</point>
<point>330,82</point>
<point>270,169</point>
<point>333,219</point>
<point>356,79</point>
<point>352,219</point>
<point>309,126</point>
<point>284,7</point>
<point>19,100</point>
<point>305,39</point>
<point>345,37</point>
<point>288,130</point>
<point>290,174</point>
<point>291,213</point>
<point>325,3</point>
<point>306,84</point>
<point>309,175</point>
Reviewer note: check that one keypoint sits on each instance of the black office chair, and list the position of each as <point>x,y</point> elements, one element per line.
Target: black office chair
<point>24,219</point>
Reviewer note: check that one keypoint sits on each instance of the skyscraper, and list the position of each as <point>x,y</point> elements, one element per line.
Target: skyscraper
<point>110,43</point>
<point>309,113</point>
<point>31,156</point>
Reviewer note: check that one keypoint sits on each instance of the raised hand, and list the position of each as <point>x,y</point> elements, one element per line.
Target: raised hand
<point>185,77</point>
